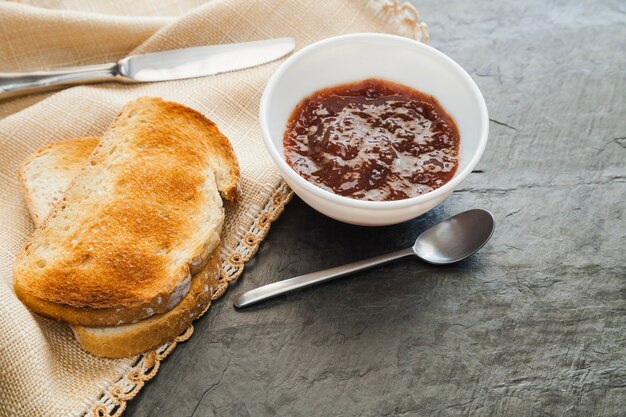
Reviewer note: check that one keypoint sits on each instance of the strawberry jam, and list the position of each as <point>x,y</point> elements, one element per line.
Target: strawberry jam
<point>372,140</point>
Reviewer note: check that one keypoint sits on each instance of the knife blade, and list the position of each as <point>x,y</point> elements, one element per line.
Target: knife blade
<point>155,66</point>
<point>203,60</point>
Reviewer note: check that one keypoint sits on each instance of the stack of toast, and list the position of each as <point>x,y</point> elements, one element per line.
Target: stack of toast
<point>126,248</point>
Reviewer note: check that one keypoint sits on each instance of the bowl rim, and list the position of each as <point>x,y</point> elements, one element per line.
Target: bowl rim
<point>348,201</point>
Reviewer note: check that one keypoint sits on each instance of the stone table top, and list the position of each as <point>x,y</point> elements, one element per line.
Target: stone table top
<point>532,325</point>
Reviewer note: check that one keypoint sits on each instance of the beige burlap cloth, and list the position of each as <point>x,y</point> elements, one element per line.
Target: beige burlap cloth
<point>43,371</point>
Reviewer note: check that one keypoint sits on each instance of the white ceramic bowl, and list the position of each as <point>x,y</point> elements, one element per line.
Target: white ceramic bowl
<point>356,57</point>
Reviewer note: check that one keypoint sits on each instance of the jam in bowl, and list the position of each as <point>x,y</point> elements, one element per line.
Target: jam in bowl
<point>372,140</point>
<point>372,129</point>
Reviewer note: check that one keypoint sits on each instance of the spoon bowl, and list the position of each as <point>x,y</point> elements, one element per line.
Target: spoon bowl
<point>456,238</point>
<point>450,241</point>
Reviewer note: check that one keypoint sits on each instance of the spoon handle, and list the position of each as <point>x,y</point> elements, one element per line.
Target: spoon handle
<point>281,287</point>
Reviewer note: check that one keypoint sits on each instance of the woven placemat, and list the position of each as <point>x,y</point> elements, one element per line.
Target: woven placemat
<point>43,370</point>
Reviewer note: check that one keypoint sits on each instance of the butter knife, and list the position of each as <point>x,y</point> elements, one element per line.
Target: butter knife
<point>176,64</point>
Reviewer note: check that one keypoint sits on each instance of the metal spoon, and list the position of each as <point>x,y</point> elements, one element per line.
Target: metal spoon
<point>450,241</point>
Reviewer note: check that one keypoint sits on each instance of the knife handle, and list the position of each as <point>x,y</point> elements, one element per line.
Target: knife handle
<point>17,83</point>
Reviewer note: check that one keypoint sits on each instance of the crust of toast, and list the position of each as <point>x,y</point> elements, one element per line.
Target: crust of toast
<point>169,162</point>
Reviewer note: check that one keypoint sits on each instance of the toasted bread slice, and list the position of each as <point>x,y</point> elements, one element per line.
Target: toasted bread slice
<point>47,173</point>
<point>140,218</point>
<point>45,176</point>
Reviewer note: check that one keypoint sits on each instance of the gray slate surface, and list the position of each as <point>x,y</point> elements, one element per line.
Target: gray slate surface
<point>533,325</point>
